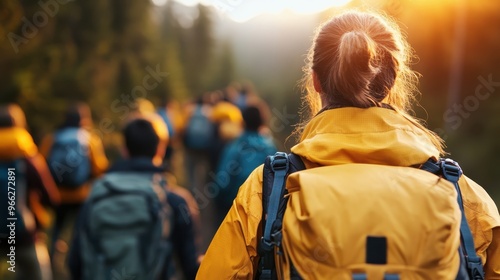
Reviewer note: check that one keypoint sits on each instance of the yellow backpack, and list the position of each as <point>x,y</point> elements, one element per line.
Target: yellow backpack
<point>364,221</point>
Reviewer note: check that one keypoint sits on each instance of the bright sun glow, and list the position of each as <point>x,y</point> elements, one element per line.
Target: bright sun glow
<point>243,10</point>
<point>159,2</point>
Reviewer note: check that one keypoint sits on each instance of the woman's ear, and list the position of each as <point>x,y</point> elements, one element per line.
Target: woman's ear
<point>316,82</point>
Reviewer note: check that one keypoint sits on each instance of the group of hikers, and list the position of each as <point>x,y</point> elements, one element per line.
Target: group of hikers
<point>68,176</point>
<point>364,194</point>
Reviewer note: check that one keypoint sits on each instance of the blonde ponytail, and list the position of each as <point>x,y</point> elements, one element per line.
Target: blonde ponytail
<point>361,60</point>
<point>356,55</point>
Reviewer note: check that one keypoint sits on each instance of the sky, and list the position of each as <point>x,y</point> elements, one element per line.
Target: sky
<point>244,10</point>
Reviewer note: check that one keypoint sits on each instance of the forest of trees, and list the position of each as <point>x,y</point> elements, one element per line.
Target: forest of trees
<point>53,52</point>
<point>56,52</point>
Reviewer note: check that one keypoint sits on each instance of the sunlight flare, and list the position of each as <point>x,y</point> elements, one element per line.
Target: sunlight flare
<point>244,10</point>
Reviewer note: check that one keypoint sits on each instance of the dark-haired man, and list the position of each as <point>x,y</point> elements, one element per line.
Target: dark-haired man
<point>131,223</point>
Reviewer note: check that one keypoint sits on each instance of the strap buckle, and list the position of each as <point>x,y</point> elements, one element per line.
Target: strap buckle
<point>475,267</point>
<point>450,169</point>
<point>266,245</point>
<point>279,161</point>
<point>276,237</point>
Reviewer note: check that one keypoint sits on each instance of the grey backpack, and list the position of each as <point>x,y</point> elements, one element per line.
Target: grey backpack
<point>127,228</point>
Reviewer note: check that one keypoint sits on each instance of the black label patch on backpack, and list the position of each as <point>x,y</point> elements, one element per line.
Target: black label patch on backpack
<point>376,250</point>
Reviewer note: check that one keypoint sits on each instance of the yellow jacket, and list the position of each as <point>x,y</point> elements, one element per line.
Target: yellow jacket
<point>98,161</point>
<point>340,136</point>
<point>17,143</point>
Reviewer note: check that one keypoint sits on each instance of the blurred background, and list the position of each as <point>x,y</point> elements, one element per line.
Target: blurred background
<point>53,52</point>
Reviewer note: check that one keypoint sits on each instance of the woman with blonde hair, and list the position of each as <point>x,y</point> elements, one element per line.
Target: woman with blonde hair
<point>359,92</point>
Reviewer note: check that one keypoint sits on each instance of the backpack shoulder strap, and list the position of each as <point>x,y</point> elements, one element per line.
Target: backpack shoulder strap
<point>451,171</point>
<point>276,170</point>
<point>294,164</point>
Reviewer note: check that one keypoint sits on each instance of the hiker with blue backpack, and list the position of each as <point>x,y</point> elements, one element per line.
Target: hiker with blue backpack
<point>132,226</point>
<point>198,139</point>
<point>75,157</point>
<point>28,193</point>
<point>239,158</point>
<point>365,193</point>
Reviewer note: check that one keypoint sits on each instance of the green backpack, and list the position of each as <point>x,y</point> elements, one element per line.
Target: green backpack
<point>126,228</point>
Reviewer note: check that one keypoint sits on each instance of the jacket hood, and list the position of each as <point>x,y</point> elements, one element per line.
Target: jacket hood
<point>354,135</point>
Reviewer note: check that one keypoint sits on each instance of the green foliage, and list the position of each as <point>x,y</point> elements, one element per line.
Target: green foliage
<point>99,51</point>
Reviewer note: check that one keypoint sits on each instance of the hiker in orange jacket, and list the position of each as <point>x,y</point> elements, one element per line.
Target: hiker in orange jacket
<point>34,190</point>
<point>77,119</point>
<point>359,91</point>
<point>79,116</point>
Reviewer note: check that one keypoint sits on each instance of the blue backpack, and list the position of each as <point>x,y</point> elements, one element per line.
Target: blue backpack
<point>239,159</point>
<point>13,197</point>
<point>199,134</point>
<point>69,160</point>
